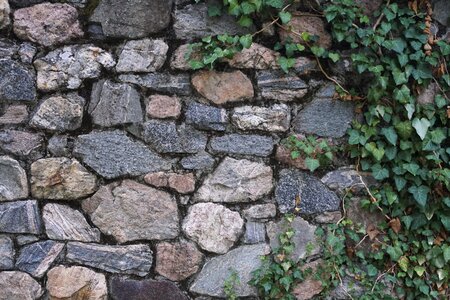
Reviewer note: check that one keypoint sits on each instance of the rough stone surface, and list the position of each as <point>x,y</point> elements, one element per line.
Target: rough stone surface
<point>369,6</point>
<point>441,12</point>
<point>6,253</point>
<point>132,19</point>
<point>251,144</point>
<point>254,233</point>
<point>61,178</point>
<point>36,259</point>
<point>315,197</point>
<point>328,217</point>
<point>162,107</point>
<point>142,56</point>
<point>59,113</point>
<point>113,154</point>
<point>309,287</point>
<point>76,283</point>
<point>223,87</point>
<point>22,143</point>
<point>347,178</point>
<point>427,95</point>
<point>68,67</point>
<point>19,285</point>
<point>20,217</point>
<point>25,239</point>
<point>14,114</point>
<point>130,211</point>
<point>18,83</point>
<point>360,215</point>
<point>236,181</point>
<point>260,211</point>
<point>277,85</point>
<point>47,24</point>
<point>275,118</point>
<point>206,117</point>
<point>161,82</point>
<point>5,10</point>
<point>126,289</point>
<point>65,223</point>
<point>179,59</point>
<point>312,25</point>
<point>215,272</point>
<point>58,145</point>
<point>131,259</point>
<point>177,260</point>
<point>26,52</point>
<point>182,183</point>
<point>8,48</point>
<point>199,161</point>
<point>214,227</point>
<point>114,104</point>
<point>283,155</point>
<point>256,57</point>
<point>13,180</point>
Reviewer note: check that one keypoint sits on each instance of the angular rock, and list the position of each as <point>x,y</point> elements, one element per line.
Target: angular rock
<point>346,178</point>
<point>58,145</point>
<point>206,117</point>
<point>213,227</point>
<point>5,10</point>
<point>113,154</point>
<point>304,66</point>
<point>19,285</point>
<point>14,114</point>
<point>148,289</point>
<point>20,217</point>
<point>199,161</point>
<point>130,259</point>
<point>235,181</point>
<point>59,113</point>
<point>26,239</point>
<point>114,104</point>
<point>283,155</point>
<point>36,259</point>
<point>8,48</point>
<point>27,52</point>
<point>310,286</point>
<point>311,24</point>
<point>47,24</point>
<point>181,56</point>
<point>61,178</point>
<point>251,144</point>
<point>242,260</point>
<point>260,211</point>
<point>441,12</point>
<point>254,233</point>
<point>68,67</point>
<point>161,82</point>
<point>256,57</point>
<point>177,260</point>
<point>182,183</point>
<point>274,119</point>
<point>359,215</point>
<point>142,56</point>
<point>76,283</point>
<point>131,211</point>
<point>132,19</point>
<point>328,217</point>
<point>162,107</point>
<point>18,83</point>
<point>6,253</point>
<point>277,85</point>
<point>65,223</point>
<point>223,87</point>
<point>22,143</point>
<point>314,196</point>
<point>304,237</point>
<point>13,180</point>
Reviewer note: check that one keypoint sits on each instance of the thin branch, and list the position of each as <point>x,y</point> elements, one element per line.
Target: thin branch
<point>380,18</point>
<point>381,276</point>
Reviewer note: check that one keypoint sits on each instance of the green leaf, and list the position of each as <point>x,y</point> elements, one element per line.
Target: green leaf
<point>410,109</point>
<point>371,270</point>
<point>214,10</point>
<point>379,173</point>
<point>245,21</point>
<point>420,194</point>
<point>419,270</point>
<point>398,45</point>
<point>334,56</point>
<point>421,126</point>
<point>312,164</point>
<point>400,182</point>
<point>286,63</point>
<point>399,77</point>
<point>403,263</point>
<point>285,16</point>
<point>390,134</point>
<point>446,252</point>
<point>246,40</point>
<point>411,168</point>
<point>394,252</point>
<point>440,101</point>
<point>318,51</point>
<point>445,221</point>
<point>404,129</point>
<point>275,3</point>
<point>402,95</point>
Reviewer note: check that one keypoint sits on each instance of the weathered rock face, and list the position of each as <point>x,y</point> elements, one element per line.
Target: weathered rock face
<point>35,259</point>
<point>162,107</point>
<point>223,87</point>
<point>14,114</point>
<point>236,181</point>
<point>67,67</point>
<point>161,82</point>
<point>65,223</point>
<point>22,143</point>
<point>76,283</point>
<point>20,217</point>
<point>256,57</point>
<point>251,144</point>
<point>6,253</point>
<point>4,14</point>
<point>58,145</point>
<point>114,103</point>
<point>276,118</point>
<point>182,183</point>
<point>214,227</point>
<point>19,285</point>
<point>199,161</point>
<point>346,178</point>
<point>243,260</point>
<point>177,260</point>
<point>47,24</point>
<point>441,12</point>
<point>312,25</point>
<point>26,239</point>
<point>180,58</point>
<point>255,233</point>
<point>206,117</point>
<point>113,154</point>
<point>130,211</point>
<point>309,287</point>
<point>131,259</point>
<point>260,211</point>
<point>18,83</point>
<point>142,56</point>
<point>283,155</point>
<point>13,180</point>
<point>130,19</point>
<point>61,179</point>
<point>125,289</point>
<point>277,85</point>
<point>26,52</point>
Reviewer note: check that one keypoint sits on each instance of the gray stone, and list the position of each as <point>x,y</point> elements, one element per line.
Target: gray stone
<point>25,239</point>
<point>254,233</point>
<point>277,85</point>
<point>13,180</point>
<point>132,211</point>
<point>142,56</point>
<point>23,3</point>
<point>114,104</point>
<point>131,259</point>
<point>347,178</point>
<point>8,48</point>
<point>148,289</point>
<point>5,10</point>
<point>161,82</point>
<point>58,145</point>
<point>441,12</point>
<point>260,211</point>
<point>132,19</point>
<point>27,52</point>
<point>236,181</point>
<point>251,144</point>
<point>113,154</point>
<point>36,259</point>
<point>14,114</point>
<point>6,253</point>
<point>18,83</point>
<point>22,143</point>
<point>167,137</point>
<point>59,113</point>
<point>20,217</point>
<point>275,118</point>
<point>215,272</point>
<point>199,161</point>
<point>314,196</point>
<point>65,223</point>
<point>19,286</point>
<point>206,117</point>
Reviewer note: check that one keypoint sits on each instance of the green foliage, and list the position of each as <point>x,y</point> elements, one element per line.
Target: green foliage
<point>230,284</point>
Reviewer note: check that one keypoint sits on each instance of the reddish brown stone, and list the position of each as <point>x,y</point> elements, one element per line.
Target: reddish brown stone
<point>158,179</point>
<point>14,114</point>
<point>283,155</point>
<point>312,25</point>
<point>255,57</point>
<point>182,183</point>
<point>309,287</point>
<point>161,107</point>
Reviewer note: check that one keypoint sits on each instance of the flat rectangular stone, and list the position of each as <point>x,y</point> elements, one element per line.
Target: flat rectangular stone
<point>257,145</point>
<point>165,83</point>
<point>20,217</point>
<point>254,233</point>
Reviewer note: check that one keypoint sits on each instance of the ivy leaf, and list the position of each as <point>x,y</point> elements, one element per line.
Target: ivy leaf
<point>445,221</point>
<point>275,3</point>
<point>246,40</point>
<point>410,109</point>
<point>245,21</point>
<point>421,126</point>
<point>398,45</point>
<point>403,262</point>
<point>286,63</point>
<point>285,16</point>
<point>371,270</point>
<point>404,129</point>
<point>379,173</point>
<point>312,164</point>
<point>399,77</point>
<point>411,168</point>
<point>394,252</point>
<point>214,10</point>
<point>318,51</point>
<point>420,194</point>
<point>334,56</point>
<point>440,101</point>
<point>390,134</point>
<point>400,182</point>
<point>419,270</point>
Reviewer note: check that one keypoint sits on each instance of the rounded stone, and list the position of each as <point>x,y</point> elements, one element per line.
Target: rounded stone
<point>13,180</point>
<point>19,285</point>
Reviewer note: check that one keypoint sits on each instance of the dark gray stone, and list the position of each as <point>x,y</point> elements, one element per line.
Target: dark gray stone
<point>174,84</point>
<point>131,259</point>
<point>256,145</point>
<point>22,143</point>
<point>206,117</point>
<point>6,253</point>
<point>58,145</point>
<point>254,233</point>
<point>126,289</point>
<point>199,161</point>
<point>13,180</point>
<point>315,197</point>
<point>24,3</point>
<point>277,85</point>
<point>166,137</point>
<point>112,154</point>
<point>7,48</point>
<point>441,11</point>
<point>347,178</point>
<point>20,217</point>
<point>27,52</point>
<point>36,259</point>
<point>18,83</point>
